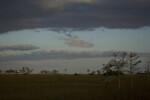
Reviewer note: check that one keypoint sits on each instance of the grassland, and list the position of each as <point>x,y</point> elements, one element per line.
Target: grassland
<point>72,87</point>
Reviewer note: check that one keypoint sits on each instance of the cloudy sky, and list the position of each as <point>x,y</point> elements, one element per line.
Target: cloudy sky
<point>71,34</point>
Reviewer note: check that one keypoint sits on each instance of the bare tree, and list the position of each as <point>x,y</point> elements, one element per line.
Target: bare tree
<point>133,65</point>
<point>26,70</point>
<point>118,62</point>
<point>107,66</point>
<point>54,71</point>
<point>98,72</point>
<point>65,70</point>
<point>93,73</point>
<point>88,71</point>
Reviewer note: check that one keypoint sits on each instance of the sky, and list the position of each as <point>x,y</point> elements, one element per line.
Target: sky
<point>71,34</point>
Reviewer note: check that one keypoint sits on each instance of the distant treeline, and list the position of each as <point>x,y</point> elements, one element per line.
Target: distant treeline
<point>122,63</point>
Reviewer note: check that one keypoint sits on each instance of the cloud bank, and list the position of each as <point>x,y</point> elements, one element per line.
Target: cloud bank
<point>25,47</point>
<point>74,14</point>
<point>60,54</point>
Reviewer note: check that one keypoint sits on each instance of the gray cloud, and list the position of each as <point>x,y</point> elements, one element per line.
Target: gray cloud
<point>52,54</point>
<point>78,43</point>
<point>59,54</point>
<point>74,14</point>
<point>18,47</point>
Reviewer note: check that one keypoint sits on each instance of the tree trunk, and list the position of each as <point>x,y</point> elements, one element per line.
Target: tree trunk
<point>148,86</point>
<point>131,79</point>
<point>148,69</point>
<point>131,73</point>
<point>118,78</point>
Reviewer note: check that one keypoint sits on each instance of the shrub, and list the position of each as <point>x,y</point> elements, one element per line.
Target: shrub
<point>112,73</point>
<point>44,72</point>
<point>11,71</point>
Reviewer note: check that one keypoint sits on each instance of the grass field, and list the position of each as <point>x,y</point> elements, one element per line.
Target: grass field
<point>72,87</point>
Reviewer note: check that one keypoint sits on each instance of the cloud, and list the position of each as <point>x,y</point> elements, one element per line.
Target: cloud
<point>78,43</point>
<point>25,47</point>
<point>74,14</point>
<point>51,54</point>
<point>59,54</point>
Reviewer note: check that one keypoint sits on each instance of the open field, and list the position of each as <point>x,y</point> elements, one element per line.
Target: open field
<point>72,87</point>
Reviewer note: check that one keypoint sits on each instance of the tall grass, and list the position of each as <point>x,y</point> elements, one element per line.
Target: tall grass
<point>71,87</point>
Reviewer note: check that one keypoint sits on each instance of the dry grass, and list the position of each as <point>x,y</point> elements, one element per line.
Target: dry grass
<point>71,87</point>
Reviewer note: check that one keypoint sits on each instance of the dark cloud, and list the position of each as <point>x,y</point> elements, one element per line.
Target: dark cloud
<point>60,54</point>
<point>18,47</point>
<point>75,14</point>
